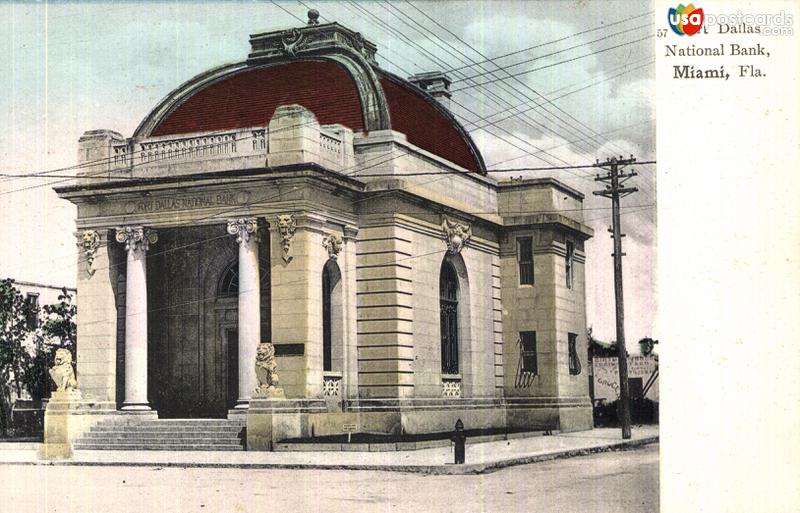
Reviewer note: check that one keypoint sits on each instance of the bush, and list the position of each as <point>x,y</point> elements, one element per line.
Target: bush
<point>643,411</point>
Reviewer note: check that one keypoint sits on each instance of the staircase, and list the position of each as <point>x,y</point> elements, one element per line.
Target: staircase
<point>164,435</point>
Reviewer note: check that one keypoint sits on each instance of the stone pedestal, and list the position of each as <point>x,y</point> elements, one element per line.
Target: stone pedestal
<point>274,419</point>
<point>66,417</point>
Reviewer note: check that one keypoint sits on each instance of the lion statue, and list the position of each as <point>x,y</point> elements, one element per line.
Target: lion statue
<point>62,372</point>
<point>266,371</point>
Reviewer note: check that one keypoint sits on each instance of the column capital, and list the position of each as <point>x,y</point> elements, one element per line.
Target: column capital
<point>349,232</point>
<point>136,237</point>
<point>244,228</point>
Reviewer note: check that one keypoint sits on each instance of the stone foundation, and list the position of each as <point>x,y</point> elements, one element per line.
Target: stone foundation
<point>66,417</point>
<point>270,420</point>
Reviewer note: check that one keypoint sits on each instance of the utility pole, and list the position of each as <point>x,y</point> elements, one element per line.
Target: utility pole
<point>614,180</point>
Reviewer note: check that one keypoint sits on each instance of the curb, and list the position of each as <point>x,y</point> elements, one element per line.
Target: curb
<point>444,469</point>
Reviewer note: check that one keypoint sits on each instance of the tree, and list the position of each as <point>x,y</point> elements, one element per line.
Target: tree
<point>14,356</point>
<point>58,330</point>
<point>647,345</point>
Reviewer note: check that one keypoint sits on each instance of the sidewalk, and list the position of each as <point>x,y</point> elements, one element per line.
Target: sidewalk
<point>480,457</point>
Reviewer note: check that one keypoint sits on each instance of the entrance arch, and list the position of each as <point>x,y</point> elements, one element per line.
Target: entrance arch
<point>193,328</point>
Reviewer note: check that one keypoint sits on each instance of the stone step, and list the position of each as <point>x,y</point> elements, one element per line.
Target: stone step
<point>164,429</point>
<point>176,423</point>
<point>159,441</point>
<point>81,446</point>
<point>156,432</point>
<point>164,435</point>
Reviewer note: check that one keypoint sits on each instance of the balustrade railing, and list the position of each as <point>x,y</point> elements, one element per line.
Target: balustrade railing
<point>166,151</point>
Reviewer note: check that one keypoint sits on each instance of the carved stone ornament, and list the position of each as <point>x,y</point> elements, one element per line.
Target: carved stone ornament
<point>243,228</point>
<point>292,42</point>
<point>266,373</point>
<point>333,243</point>
<point>90,242</point>
<point>62,373</point>
<point>456,235</point>
<point>136,237</point>
<point>286,227</point>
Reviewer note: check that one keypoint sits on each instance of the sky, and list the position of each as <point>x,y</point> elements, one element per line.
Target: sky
<point>583,89</point>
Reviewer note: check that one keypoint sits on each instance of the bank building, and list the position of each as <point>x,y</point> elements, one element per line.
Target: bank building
<point>308,199</point>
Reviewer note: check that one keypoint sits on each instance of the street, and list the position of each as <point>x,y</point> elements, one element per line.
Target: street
<point>608,482</point>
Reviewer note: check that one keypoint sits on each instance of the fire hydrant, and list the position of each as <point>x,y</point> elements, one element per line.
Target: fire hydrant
<point>459,439</point>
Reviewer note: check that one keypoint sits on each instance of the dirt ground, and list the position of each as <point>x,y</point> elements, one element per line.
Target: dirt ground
<point>603,483</point>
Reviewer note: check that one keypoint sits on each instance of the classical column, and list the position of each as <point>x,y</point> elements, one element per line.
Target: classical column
<point>246,233</point>
<point>137,240</point>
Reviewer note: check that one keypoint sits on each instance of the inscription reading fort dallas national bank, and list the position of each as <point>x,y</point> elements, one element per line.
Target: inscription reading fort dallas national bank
<point>148,205</point>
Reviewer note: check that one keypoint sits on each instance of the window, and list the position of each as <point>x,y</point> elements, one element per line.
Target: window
<point>333,334</point>
<point>574,362</point>
<point>448,311</point>
<point>525,259</point>
<point>327,328</point>
<point>528,342</point>
<point>32,311</point>
<point>570,264</point>
<point>229,283</point>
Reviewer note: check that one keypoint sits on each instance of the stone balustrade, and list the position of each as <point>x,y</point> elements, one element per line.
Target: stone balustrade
<point>105,155</point>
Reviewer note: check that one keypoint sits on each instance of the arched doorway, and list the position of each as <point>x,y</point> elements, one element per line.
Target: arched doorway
<point>193,333</point>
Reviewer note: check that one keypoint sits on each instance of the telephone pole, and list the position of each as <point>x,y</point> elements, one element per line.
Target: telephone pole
<point>614,180</point>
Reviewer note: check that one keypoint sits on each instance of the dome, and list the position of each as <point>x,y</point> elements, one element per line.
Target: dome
<point>337,84</point>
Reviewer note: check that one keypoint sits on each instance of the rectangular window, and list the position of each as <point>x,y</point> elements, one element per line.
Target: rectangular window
<point>574,361</point>
<point>528,341</point>
<point>32,301</point>
<point>570,264</point>
<point>525,259</point>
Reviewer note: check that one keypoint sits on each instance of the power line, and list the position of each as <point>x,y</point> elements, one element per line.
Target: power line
<point>414,25</point>
<point>516,52</point>
<point>438,62</point>
<point>551,65</point>
<point>503,69</point>
<point>528,107</point>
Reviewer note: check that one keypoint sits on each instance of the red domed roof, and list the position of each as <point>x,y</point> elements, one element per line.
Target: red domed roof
<point>425,126</point>
<point>248,98</point>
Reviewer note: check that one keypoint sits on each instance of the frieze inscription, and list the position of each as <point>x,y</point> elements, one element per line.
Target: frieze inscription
<point>148,205</point>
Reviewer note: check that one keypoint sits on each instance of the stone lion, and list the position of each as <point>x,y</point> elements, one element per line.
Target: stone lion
<point>62,372</point>
<point>266,368</point>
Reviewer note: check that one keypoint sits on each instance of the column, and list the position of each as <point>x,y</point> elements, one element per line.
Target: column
<point>137,240</point>
<point>245,230</point>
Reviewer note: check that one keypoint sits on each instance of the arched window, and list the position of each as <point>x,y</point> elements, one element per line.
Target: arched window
<point>229,283</point>
<point>327,328</point>
<point>448,306</point>
<point>332,310</point>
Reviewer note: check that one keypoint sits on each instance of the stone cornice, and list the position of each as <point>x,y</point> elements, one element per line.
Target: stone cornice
<point>167,182</point>
<point>426,228</point>
<point>521,222</point>
<point>400,139</point>
<point>539,183</point>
